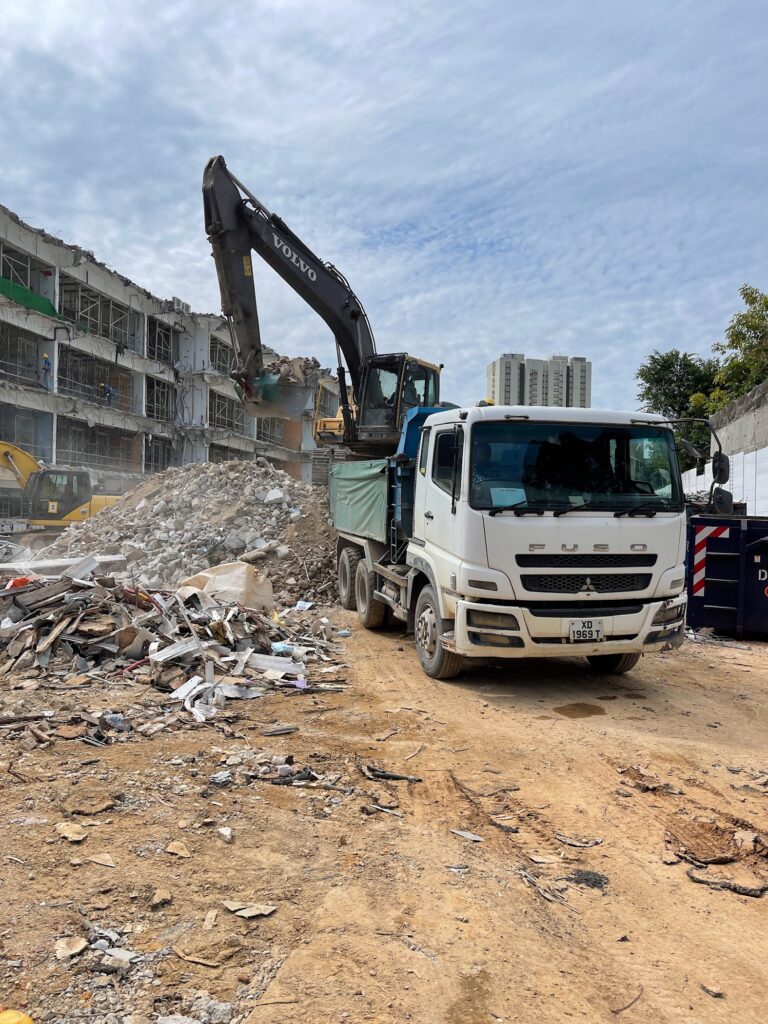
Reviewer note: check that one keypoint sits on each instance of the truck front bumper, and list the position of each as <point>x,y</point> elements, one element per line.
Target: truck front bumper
<point>520,632</point>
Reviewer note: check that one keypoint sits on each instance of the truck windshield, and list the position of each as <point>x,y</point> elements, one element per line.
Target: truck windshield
<point>565,465</point>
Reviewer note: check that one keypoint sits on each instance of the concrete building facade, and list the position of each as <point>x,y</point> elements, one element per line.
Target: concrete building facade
<point>97,371</point>
<point>513,379</point>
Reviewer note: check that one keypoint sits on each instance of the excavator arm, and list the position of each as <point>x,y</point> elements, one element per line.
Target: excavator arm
<point>236,224</point>
<point>384,387</point>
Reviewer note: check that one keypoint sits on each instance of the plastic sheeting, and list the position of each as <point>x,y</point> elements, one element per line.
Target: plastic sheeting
<point>230,583</point>
<point>359,498</point>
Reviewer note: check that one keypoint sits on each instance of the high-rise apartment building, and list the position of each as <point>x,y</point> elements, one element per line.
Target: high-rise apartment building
<point>506,379</point>
<point>561,380</point>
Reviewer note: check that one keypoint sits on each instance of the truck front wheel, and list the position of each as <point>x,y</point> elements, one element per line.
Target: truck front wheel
<point>346,572</point>
<point>613,664</point>
<point>371,611</point>
<point>435,660</point>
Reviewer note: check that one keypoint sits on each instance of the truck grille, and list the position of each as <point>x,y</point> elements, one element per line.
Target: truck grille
<point>585,561</point>
<point>573,584</point>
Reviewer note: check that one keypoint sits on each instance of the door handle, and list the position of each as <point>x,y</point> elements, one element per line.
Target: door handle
<point>428,515</point>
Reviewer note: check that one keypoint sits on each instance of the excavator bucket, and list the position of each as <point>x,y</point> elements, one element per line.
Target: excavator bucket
<point>273,395</point>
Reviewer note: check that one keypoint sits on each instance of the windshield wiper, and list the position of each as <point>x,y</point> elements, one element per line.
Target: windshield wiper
<point>521,505</point>
<point>647,508</point>
<point>583,507</point>
<point>522,508</point>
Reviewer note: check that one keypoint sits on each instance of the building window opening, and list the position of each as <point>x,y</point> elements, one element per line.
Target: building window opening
<point>220,356</point>
<point>225,413</point>
<point>160,400</point>
<point>269,429</point>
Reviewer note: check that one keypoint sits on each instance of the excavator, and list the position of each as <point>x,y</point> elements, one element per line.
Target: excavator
<point>50,498</point>
<point>384,387</point>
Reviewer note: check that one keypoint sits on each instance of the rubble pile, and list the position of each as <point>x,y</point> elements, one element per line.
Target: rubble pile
<point>193,652</point>
<point>185,520</point>
<point>299,370</point>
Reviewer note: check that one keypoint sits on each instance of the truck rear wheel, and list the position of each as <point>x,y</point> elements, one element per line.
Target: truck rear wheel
<point>613,664</point>
<point>371,611</point>
<point>345,575</point>
<point>435,660</point>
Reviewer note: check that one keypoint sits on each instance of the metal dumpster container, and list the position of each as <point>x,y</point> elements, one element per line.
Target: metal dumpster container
<point>728,573</point>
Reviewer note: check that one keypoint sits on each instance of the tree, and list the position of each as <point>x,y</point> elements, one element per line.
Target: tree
<point>669,379</point>
<point>745,349</point>
<point>673,384</point>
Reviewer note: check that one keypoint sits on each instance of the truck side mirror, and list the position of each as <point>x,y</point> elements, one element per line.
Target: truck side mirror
<point>722,501</point>
<point>721,468</point>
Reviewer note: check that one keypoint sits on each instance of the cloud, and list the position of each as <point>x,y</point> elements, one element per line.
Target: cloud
<point>489,176</point>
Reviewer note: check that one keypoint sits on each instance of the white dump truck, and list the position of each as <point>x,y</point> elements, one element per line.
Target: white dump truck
<point>518,532</point>
<point>492,532</point>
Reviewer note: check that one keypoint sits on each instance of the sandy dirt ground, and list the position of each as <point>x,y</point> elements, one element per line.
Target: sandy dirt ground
<point>387,915</point>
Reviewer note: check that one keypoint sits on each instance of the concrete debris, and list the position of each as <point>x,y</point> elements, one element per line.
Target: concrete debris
<point>210,1010</point>
<point>66,948</point>
<point>182,522</point>
<point>196,650</point>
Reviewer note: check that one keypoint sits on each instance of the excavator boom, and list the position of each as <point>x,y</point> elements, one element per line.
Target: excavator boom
<point>383,387</point>
<point>236,223</point>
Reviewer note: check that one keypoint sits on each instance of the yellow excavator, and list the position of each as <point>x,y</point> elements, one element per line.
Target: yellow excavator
<point>51,497</point>
<point>329,430</point>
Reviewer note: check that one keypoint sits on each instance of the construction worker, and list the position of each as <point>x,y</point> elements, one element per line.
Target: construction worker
<point>47,371</point>
<point>107,393</point>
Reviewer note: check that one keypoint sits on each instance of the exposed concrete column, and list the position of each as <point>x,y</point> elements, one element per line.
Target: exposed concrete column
<point>139,394</point>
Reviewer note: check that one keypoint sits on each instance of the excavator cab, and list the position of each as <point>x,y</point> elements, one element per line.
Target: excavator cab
<point>54,495</point>
<point>392,385</point>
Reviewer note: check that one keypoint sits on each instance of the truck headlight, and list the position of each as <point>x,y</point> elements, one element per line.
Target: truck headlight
<point>666,614</point>
<point>491,620</point>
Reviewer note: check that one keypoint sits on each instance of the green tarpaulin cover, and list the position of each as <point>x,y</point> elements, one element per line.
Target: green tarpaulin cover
<point>359,498</point>
<point>26,297</point>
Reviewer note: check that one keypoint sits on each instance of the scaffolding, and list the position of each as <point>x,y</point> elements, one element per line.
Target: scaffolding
<point>158,454</point>
<point>269,429</point>
<point>20,268</point>
<point>220,356</point>
<point>95,313</point>
<point>160,400</point>
<point>27,429</point>
<point>225,413</point>
<point>19,362</point>
<point>220,453</point>
<point>82,376</point>
<point>162,341</point>
<point>96,447</point>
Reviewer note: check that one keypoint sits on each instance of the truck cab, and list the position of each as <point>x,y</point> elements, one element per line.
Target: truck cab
<point>532,532</point>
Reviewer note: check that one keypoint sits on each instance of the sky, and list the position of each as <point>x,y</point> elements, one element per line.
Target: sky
<point>491,176</point>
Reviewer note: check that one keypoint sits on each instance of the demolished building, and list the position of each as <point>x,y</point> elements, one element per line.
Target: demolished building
<point>96,371</point>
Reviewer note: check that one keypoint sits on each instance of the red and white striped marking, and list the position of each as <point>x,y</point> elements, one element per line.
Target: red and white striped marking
<point>702,535</point>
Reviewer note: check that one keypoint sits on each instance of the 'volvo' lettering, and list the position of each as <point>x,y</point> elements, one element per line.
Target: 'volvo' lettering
<point>297,261</point>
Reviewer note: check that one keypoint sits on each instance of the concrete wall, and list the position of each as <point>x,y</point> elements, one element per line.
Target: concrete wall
<point>746,433</point>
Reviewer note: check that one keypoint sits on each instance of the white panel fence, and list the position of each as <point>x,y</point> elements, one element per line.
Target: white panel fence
<point>749,480</point>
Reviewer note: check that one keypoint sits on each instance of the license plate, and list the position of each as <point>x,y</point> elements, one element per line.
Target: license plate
<point>585,630</point>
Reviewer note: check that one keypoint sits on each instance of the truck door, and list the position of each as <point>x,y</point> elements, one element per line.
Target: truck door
<point>441,500</point>
<point>421,485</point>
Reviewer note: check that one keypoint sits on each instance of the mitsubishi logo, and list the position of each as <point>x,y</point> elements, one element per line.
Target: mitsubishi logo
<point>588,588</point>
